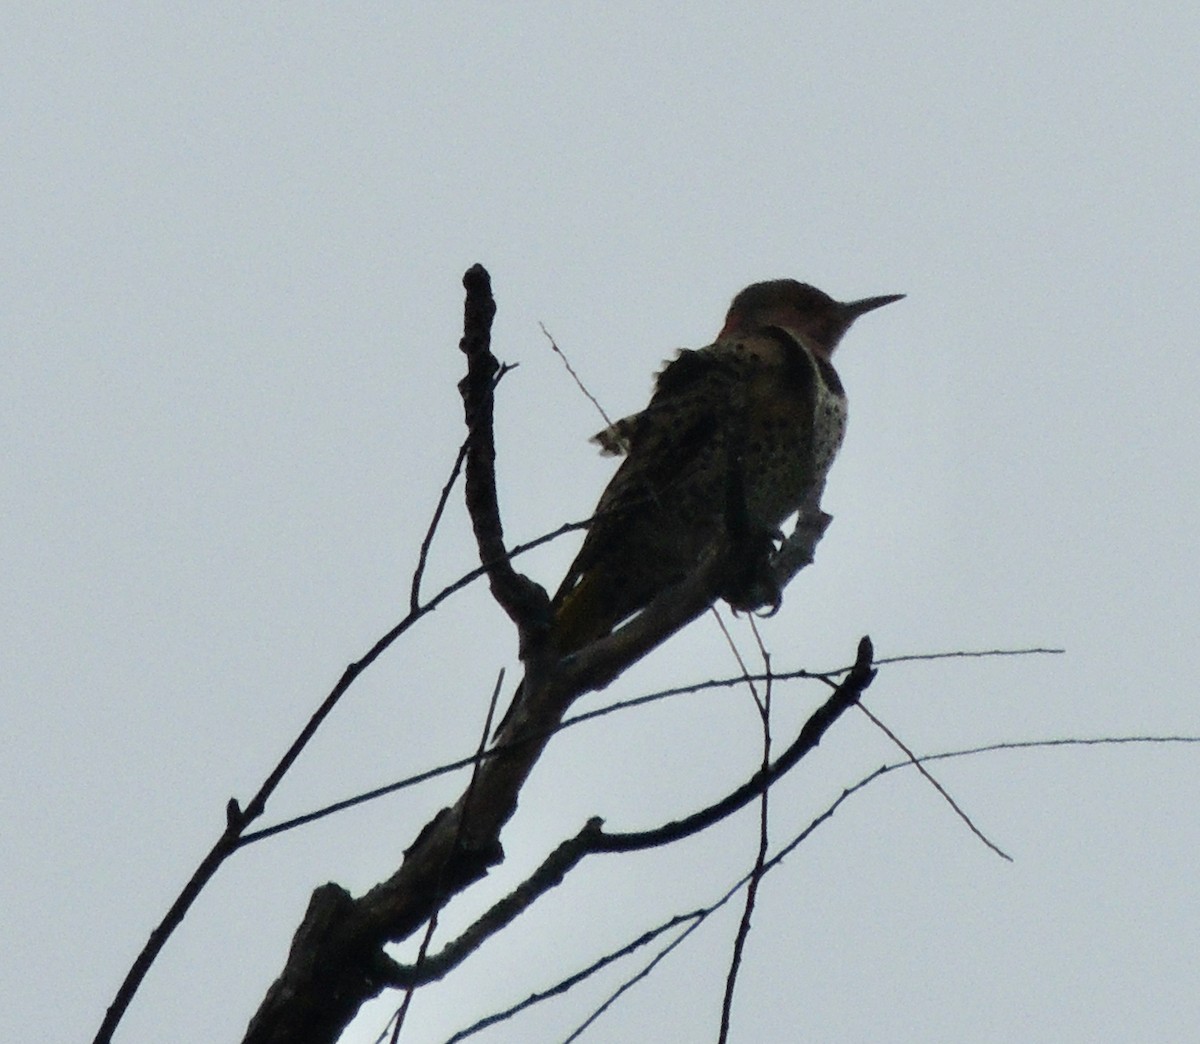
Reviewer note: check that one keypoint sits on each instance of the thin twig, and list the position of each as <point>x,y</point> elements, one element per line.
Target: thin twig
<point>936,785</point>
<point>563,985</point>
<point>578,719</point>
<point>397,1020</point>
<point>743,932</point>
<point>747,677</point>
<point>578,381</point>
<point>414,597</point>
<point>960,654</point>
<point>632,981</point>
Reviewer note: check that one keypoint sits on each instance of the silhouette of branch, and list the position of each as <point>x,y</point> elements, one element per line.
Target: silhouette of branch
<point>967,654</point>
<point>592,838</point>
<point>633,980</point>
<point>414,597</point>
<point>402,1011</point>
<point>847,694</point>
<point>916,763</point>
<point>525,602</point>
<point>699,916</point>
<point>572,980</point>
<point>743,932</point>
<point>575,377</point>
<point>238,819</point>
<point>599,712</point>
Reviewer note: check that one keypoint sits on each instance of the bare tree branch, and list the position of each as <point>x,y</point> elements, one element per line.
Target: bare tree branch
<point>593,839</point>
<point>916,762</point>
<point>526,602</point>
<point>576,378</point>
<point>633,980</point>
<point>578,719</point>
<point>414,597</point>
<point>743,932</point>
<point>563,985</point>
<point>402,1012</point>
<point>697,917</point>
<point>238,819</point>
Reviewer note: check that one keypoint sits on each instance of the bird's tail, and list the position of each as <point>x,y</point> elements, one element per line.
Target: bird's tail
<point>583,613</point>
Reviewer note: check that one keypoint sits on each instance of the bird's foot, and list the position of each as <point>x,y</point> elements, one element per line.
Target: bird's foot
<point>752,586</point>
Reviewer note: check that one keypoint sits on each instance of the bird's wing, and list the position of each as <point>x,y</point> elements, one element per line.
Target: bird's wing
<point>668,447</point>
<point>687,377</point>
<point>693,397</point>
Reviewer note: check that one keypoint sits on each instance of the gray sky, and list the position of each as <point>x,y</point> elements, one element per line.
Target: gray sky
<point>230,308</point>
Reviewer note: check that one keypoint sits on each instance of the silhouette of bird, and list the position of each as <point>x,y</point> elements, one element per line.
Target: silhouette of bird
<point>735,438</point>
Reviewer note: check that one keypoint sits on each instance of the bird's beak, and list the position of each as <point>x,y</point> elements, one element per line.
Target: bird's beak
<point>853,309</point>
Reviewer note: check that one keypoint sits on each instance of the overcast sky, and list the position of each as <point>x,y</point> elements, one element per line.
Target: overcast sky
<point>230,301</point>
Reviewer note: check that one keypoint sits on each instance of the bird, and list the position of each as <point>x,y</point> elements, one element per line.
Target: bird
<point>735,439</point>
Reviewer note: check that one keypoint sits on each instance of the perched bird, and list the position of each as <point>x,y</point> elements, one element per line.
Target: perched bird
<point>736,436</point>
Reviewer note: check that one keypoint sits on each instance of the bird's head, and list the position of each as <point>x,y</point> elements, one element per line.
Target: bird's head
<point>811,314</point>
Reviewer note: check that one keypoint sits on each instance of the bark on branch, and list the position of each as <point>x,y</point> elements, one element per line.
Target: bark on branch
<point>525,602</point>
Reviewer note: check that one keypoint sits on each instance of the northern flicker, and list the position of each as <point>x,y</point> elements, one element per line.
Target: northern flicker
<point>736,436</point>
